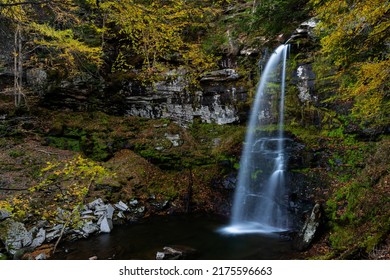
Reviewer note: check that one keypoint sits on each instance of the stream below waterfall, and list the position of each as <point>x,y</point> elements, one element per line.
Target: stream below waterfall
<point>143,240</point>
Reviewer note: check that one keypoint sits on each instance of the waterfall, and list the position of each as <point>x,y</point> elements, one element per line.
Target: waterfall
<point>260,197</point>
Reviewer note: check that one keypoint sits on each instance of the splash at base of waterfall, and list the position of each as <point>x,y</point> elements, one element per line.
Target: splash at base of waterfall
<point>251,228</point>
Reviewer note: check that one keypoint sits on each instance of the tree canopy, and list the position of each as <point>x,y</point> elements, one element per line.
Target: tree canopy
<point>152,34</point>
<point>355,41</point>
<point>72,36</point>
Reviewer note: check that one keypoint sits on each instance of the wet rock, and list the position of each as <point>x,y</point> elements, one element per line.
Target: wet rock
<point>121,215</point>
<point>41,256</point>
<point>89,228</point>
<point>160,256</point>
<point>162,205</point>
<point>309,229</point>
<point>133,202</point>
<point>140,210</point>
<point>176,252</point>
<point>106,225</point>
<point>110,211</point>
<point>230,181</point>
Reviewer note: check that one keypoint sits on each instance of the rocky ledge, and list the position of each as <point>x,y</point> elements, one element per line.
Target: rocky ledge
<point>96,217</point>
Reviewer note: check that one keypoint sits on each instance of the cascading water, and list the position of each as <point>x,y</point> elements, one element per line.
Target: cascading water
<point>259,205</point>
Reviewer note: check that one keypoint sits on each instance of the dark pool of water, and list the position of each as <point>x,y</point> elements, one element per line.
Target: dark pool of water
<point>142,241</point>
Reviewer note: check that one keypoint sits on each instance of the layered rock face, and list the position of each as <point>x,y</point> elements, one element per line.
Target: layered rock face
<point>216,102</point>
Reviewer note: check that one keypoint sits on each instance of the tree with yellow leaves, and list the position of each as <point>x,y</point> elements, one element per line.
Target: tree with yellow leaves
<point>45,37</point>
<point>152,34</point>
<point>355,40</point>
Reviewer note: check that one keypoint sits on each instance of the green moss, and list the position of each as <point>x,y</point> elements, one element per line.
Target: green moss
<point>16,153</point>
<point>64,143</point>
<point>343,238</point>
<point>358,210</point>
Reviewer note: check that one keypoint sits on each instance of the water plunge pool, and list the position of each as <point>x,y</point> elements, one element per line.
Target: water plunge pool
<point>143,240</point>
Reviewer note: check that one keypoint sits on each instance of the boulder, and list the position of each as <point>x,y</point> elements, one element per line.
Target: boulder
<point>134,202</point>
<point>106,225</point>
<point>89,228</point>
<point>94,203</point>
<point>110,211</point>
<point>14,235</point>
<point>41,256</point>
<point>121,215</point>
<point>122,206</point>
<point>54,232</point>
<point>39,238</point>
<point>176,252</point>
<point>309,229</point>
<point>4,214</point>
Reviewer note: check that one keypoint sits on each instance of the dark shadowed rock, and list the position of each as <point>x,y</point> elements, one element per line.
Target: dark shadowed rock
<point>4,214</point>
<point>176,252</point>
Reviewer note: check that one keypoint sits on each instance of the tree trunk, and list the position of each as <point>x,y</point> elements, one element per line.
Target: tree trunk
<point>18,67</point>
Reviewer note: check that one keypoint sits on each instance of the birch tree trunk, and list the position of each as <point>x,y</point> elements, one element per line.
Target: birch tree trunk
<point>18,67</point>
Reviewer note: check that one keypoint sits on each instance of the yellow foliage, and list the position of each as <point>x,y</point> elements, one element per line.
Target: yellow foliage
<point>370,89</point>
<point>355,39</point>
<point>155,32</point>
<point>60,194</point>
<point>71,50</point>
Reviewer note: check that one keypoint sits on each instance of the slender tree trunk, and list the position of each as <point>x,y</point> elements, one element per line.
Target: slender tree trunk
<point>103,27</point>
<point>188,196</point>
<point>18,67</point>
